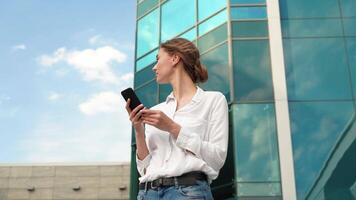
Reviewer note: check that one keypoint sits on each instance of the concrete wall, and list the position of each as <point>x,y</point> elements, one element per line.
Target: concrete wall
<point>56,182</point>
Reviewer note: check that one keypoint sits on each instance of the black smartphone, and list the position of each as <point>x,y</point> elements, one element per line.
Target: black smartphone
<point>130,93</point>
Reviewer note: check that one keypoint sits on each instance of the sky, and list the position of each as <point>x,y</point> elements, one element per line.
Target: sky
<point>62,67</point>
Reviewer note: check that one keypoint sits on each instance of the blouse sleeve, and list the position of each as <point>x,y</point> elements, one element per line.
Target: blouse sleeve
<point>143,164</point>
<point>213,151</point>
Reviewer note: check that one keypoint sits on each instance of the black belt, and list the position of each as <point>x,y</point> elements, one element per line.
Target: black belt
<point>186,179</point>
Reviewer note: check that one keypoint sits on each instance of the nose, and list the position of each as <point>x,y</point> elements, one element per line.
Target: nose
<point>154,68</point>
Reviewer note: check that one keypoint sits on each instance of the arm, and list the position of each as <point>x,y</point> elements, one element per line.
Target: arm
<point>142,154</point>
<point>214,151</point>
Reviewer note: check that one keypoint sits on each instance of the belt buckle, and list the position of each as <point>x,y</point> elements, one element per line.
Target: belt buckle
<point>160,182</point>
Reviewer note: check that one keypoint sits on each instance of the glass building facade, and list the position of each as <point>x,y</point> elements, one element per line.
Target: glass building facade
<point>288,71</point>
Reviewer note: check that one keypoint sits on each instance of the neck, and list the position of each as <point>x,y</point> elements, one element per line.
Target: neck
<point>183,86</point>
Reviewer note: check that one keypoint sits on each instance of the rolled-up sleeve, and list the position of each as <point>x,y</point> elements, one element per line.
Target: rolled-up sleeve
<point>143,164</point>
<point>213,151</point>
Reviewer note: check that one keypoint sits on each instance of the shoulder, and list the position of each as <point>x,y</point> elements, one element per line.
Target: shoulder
<point>214,96</point>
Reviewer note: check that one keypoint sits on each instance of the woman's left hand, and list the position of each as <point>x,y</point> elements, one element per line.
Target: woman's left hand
<point>161,121</point>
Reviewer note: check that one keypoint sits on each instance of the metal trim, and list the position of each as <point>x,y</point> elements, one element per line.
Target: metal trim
<point>281,101</point>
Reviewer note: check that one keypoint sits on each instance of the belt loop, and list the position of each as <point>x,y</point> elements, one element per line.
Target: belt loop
<point>176,181</point>
<point>146,186</point>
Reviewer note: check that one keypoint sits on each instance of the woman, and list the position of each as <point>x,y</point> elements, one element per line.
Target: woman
<point>181,142</point>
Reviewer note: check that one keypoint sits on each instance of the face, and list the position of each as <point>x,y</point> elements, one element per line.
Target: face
<point>164,67</point>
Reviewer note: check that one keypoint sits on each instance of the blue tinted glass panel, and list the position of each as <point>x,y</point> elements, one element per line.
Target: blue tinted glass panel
<point>350,26</point>
<point>247,1</point>
<point>248,13</point>
<point>217,63</point>
<point>212,38</point>
<point>259,189</point>
<point>316,69</point>
<point>307,8</point>
<point>147,33</point>
<point>148,94</point>
<point>144,75</point>
<point>207,8</point>
<point>213,22</point>
<point>322,135</point>
<point>351,49</point>
<point>348,8</point>
<point>145,6</point>
<point>255,138</point>
<point>164,91</point>
<point>174,23</point>
<point>250,29</point>
<point>312,28</point>
<point>147,60</point>
<point>252,70</point>
<point>190,35</point>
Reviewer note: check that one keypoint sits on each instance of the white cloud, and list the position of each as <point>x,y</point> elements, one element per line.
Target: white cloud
<point>53,96</point>
<point>101,139</point>
<point>94,40</point>
<point>92,64</point>
<point>19,47</point>
<point>104,102</point>
<point>57,56</point>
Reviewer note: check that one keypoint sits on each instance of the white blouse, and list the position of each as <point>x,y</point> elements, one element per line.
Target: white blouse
<point>201,144</point>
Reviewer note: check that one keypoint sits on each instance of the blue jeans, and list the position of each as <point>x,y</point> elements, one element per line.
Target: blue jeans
<point>199,191</point>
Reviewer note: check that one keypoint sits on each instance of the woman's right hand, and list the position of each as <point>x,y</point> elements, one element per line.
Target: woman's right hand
<point>135,116</point>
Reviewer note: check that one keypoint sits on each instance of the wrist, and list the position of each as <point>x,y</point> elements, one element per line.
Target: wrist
<point>175,129</point>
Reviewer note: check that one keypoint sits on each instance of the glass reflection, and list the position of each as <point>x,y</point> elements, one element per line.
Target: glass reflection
<point>207,8</point>
<point>351,49</point>
<point>247,1</point>
<point>145,6</point>
<point>145,61</point>
<point>144,75</point>
<point>324,148</point>
<point>307,8</point>
<point>312,28</point>
<point>316,69</point>
<point>147,33</point>
<point>174,23</point>
<point>216,61</point>
<point>148,94</point>
<point>257,162</point>
<point>348,8</point>
<point>190,35</point>
<point>212,38</point>
<point>164,91</point>
<point>248,13</point>
<point>213,22</point>
<point>250,29</point>
<point>349,26</point>
<point>252,70</point>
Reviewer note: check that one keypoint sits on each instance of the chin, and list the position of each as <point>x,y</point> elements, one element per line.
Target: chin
<point>161,81</point>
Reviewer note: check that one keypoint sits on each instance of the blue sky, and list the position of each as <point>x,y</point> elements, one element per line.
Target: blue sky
<point>62,67</point>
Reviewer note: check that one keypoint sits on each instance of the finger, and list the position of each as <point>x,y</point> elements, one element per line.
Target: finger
<point>134,111</point>
<point>128,105</point>
<point>150,112</point>
<point>137,117</point>
<point>149,121</point>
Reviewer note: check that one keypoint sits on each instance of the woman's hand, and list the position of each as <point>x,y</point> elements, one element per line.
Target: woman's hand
<point>161,121</point>
<point>135,115</point>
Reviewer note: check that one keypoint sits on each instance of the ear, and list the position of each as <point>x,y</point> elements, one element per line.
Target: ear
<point>175,59</point>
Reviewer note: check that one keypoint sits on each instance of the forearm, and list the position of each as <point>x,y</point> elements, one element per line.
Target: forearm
<point>142,150</point>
